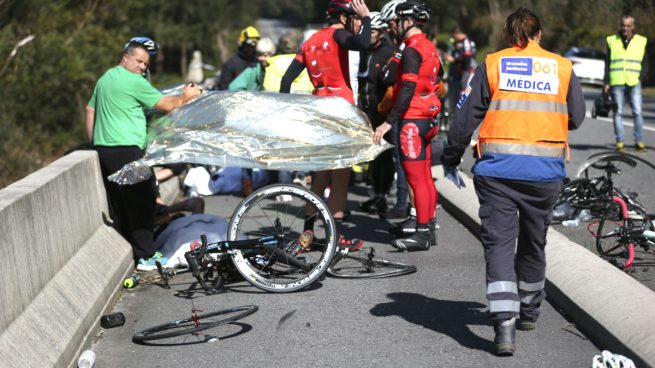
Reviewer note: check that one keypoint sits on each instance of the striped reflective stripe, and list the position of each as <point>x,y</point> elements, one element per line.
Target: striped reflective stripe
<point>525,105</point>
<point>531,286</point>
<point>522,149</point>
<point>626,69</point>
<point>496,306</point>
<point>527,299</point>
<point>502,287</point>
<point>626,61</point>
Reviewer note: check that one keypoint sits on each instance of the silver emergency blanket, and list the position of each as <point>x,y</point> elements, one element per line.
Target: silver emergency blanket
<point>258,130</point>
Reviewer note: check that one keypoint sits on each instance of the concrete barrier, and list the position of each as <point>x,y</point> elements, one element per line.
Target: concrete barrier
<point>61,264</point>
<point>609,306</point>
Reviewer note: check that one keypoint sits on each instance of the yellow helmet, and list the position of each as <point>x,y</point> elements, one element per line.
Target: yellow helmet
<point>249,35</point>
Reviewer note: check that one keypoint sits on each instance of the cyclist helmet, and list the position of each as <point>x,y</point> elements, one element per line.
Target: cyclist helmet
<point>389,10</point>
<point>336,7</point>
<point>249,35</point>
<point>151,46</point>
<point>609,360</point>
<point>377,22</point>
<point>414,9</point>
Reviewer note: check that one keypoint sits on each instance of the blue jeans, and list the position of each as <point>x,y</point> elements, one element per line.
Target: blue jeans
<point>402,190</point>
<point>634,93</point>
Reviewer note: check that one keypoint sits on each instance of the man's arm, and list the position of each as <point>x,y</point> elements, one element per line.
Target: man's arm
<point>606,73</point>
<point>90,122</point>
<point>293,71</point>
<point>575,103</point>
<point>471,110</point>
<point>170,103</point>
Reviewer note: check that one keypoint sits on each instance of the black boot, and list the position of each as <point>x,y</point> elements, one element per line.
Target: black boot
<point>377,204</point>
<point>505,338</point>
<point>433,232</point>
<point>404,228</point>
<point>419,240</point>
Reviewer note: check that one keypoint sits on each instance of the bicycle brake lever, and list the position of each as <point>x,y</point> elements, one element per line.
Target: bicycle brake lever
<point>164,275</point>
<point>193,263</point>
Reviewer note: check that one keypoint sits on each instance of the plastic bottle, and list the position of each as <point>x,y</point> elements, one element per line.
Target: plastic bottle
<point>585,215</point>
<point>571,223</point>
<point>131,281</point>
<point>303,242</point>
<point>87,359</point>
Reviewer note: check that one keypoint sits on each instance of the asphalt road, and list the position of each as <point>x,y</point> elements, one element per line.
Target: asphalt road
<point>434,317</point>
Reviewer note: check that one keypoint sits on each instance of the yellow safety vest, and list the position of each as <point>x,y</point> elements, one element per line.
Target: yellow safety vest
<point>277,66</point>
<point>625,64</point>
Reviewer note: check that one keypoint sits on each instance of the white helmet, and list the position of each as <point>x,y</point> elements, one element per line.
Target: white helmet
<point>609,360</point>
<point>265,46</point>
<point>389,10</point>
<point>377,22</point>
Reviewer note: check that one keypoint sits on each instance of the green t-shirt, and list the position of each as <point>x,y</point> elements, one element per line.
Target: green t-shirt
<point>119,99</point>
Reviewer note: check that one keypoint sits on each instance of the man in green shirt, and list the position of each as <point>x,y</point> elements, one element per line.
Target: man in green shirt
<point>116,126</point>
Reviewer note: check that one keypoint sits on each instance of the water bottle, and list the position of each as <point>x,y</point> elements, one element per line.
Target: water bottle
<point>87,359</point>
<point>571,223</point>
<point>131,281</point>
<point>303,242</point>
<point>585,215</point>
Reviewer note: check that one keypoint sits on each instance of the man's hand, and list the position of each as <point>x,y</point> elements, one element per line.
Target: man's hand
<point>380,131</point>
<point>170,103</point>
<point>606,88</point>
<point>361,9</point>
<point>191,91</point>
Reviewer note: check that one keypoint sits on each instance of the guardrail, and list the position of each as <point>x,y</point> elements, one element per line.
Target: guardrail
<point>60,263</point>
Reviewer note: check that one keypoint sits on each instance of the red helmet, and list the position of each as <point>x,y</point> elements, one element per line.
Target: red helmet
<point>336,7</point>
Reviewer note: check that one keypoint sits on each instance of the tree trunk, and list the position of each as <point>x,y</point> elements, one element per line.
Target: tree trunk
<point>183,59</point>
<point>497,22</point>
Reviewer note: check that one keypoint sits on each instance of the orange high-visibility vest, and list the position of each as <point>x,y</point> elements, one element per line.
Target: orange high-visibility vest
<point>528,113</point>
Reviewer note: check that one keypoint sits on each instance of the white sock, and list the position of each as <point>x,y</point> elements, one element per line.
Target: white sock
<point>412,211</point>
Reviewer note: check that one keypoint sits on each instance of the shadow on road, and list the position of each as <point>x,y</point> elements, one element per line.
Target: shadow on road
<point>448,317</point>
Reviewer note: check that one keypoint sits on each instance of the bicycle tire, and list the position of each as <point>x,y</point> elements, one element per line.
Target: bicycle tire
<point>259,215</point>
<point>583,170</point>
<point>361,267</point>
<point>188,325</point>
<point>609,242</point>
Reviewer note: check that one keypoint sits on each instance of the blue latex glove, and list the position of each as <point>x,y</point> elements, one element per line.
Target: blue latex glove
<point>452,173</point>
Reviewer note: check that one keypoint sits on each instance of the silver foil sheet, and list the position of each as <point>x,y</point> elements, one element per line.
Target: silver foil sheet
<point>250,129</point>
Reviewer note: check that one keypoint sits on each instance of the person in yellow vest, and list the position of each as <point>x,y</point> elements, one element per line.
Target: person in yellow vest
<point>526,100</point>
<point>288,45</point>
<point>626,64</point>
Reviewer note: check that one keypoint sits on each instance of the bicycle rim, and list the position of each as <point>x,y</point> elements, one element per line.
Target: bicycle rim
<point>608,240</point>
<point>263,214</point>
<point>189,326</point>
<point>361,267</point>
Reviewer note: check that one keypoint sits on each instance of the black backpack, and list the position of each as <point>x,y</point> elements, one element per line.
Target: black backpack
<point>603,104</point>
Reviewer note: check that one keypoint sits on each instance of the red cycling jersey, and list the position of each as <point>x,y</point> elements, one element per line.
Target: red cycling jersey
<point>424,102</point>
<point>327,65</point>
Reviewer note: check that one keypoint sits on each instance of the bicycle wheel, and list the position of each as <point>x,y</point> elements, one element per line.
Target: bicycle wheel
<point>279,211</point>
<point>611,242</point>
<point>193,325</point>
<point>363,266</point>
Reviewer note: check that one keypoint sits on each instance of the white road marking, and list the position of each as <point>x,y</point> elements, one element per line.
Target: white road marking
<point>625,122</point>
